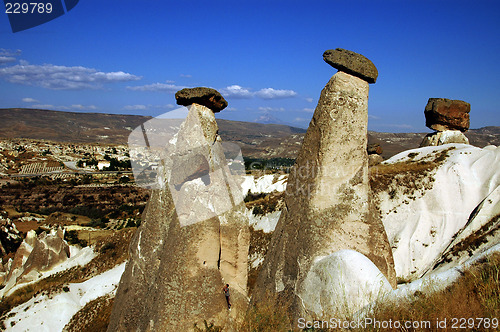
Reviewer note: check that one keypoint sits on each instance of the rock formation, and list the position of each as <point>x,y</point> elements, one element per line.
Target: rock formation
<point>450,118</point>
<point>444,114</point>
<point>352,63</point>
<point>374,148</point>
<point>36,255</point>
<point>327,203</point>
<point>444,137</point>
<point>374,154</point>
<point>193,239</point>
<point>442,215</point>
<point>208,97</point>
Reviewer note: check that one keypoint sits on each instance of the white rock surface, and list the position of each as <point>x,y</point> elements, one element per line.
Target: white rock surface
<point>421,223</point>
<point>51,313</point>
<point>342,283</point>
<point>481,232</point>
<point>264,184</point>
<point>266,223</point>
<point>444,137</point>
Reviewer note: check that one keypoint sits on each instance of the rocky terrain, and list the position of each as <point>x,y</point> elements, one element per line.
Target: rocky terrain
<point>342,233</point>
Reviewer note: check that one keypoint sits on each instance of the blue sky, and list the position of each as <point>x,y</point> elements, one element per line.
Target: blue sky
<point>265,57</point>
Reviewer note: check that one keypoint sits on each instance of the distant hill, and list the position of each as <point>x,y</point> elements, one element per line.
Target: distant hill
<point>256,139</point>
<point>67,126</point>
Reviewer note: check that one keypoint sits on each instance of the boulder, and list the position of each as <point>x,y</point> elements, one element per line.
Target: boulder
<point>345,279</point>
<point>327,202</point>
<point>351,63</point>
<point>444,137</point>
<point>208,97</point>
<point>374,148</point>
<point>193,239</point>
<point>444,114</point>
<point>374,159</point>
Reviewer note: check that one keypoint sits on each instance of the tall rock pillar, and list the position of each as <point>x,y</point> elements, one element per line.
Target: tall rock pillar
<point>194,237</point>
<point>328,207</point>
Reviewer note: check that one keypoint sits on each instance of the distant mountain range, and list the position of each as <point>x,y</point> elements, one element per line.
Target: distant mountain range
<point>256,139</point>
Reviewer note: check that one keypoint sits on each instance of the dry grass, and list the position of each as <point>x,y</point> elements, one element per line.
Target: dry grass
<point>271,315</point>
<point>407,176</point>
<point>93,317</point>
<point>476,294</point>
<point>265,203</point>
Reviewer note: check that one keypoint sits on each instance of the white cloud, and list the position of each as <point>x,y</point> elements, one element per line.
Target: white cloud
<point>301,119</point>
<point>30,100</point>
<point>271,109</point>
<point>134,107</point>
<point>167,106</point>
<point>62,77</point>
<point>7,52</point>
<point>78,107</point>
<point>373,117</point>
<point>233,91</point>
<point>83,107</point>
<point>160,87</point>
<point>270,93</point>
<point>308,110</point>
<point>237,92</point>
<point>7,56</point>
<point>309,100</point>
<point>185,75</point>
<point>139,107</point>
<point>7,59</point>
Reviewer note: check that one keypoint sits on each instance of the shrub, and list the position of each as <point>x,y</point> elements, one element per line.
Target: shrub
<point>271,314</point>
<point>72,238</point>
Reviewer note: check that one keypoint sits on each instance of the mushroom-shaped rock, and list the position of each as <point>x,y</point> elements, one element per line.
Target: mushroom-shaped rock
<point>444,114</point>
<point>351,63</point>
<point>208,97</point>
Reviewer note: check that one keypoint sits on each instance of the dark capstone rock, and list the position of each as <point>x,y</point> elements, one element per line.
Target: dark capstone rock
<point>374,148</point>
<point>444,114</point>
<point>208,97</point>
<point>351,63</point>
